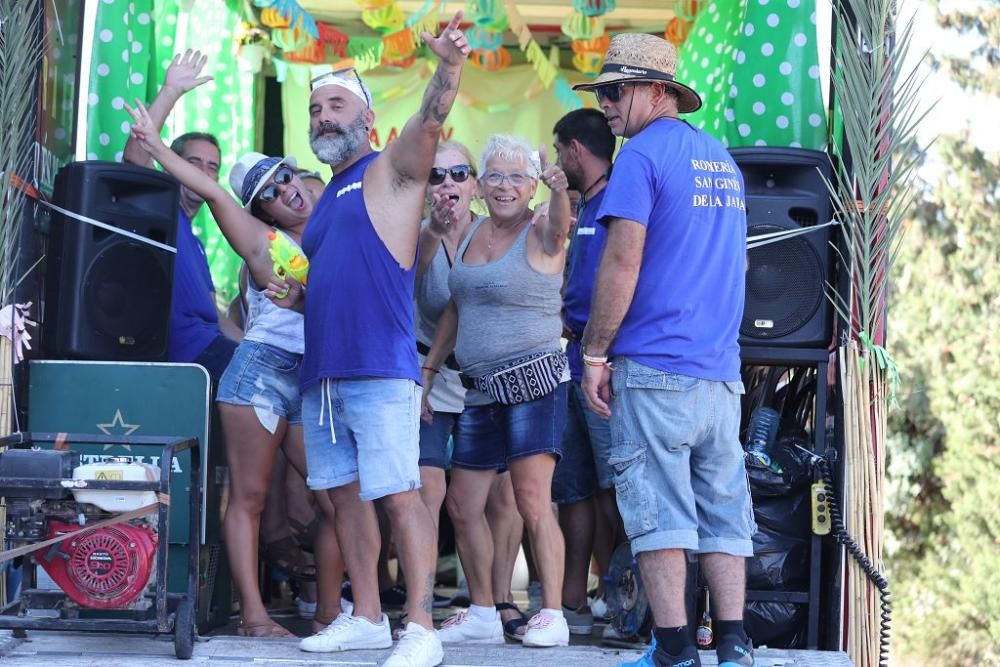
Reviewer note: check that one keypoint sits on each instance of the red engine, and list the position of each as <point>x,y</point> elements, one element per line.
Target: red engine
<point>104,569</point>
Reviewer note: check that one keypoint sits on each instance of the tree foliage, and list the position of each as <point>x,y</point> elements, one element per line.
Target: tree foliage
<point>944,465</point>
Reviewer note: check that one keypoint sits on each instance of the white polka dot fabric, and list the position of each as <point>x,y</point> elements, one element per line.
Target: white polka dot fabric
<point>755,64</point>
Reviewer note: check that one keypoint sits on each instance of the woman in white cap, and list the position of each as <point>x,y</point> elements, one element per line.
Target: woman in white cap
<point>258,395</point>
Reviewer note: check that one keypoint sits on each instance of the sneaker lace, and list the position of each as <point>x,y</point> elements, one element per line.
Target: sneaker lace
<point>456,619</point>
<point>409,644</point>
<point>341,621</point>
<point>540,621</point>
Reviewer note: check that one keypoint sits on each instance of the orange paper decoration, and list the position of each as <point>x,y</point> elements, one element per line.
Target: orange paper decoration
<point>490,61</point>
<point>398,46</point>
<point>588,62</point>
<point>596,45</point>
<point>687,10</point>
<point>677,31</point>
<point>374,4</point>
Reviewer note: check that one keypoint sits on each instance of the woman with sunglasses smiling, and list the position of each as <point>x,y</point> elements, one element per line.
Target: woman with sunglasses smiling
<point>504,323</point>
<point>451,188</point>
<point>258,395</point>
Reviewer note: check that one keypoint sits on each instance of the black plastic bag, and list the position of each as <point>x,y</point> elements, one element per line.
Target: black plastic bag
<point>779,563</point>
<point>776,624</point>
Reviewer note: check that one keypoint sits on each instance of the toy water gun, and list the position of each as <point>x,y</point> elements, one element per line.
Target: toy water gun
<point>288,259</point>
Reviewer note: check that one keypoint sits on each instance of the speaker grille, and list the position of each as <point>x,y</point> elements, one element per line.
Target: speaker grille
<point>125,290</point>
<point>784,289</point>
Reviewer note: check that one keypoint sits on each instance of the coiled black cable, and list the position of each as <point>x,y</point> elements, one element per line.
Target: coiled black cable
<point>843,537</point>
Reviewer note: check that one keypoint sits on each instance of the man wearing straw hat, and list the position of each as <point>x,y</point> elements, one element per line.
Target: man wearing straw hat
<point>360,374</point>
<point>666,309</point>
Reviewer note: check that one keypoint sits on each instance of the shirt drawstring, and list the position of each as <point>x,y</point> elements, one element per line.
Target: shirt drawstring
<point>326,405</point>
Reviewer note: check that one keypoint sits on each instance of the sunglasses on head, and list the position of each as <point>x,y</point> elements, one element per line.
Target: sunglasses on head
<point>459,173</point>
<point>283,176</point>
<point>612,92</point>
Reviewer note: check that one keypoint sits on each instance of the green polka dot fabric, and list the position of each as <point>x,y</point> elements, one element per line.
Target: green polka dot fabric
<point>771,95</point>
<point>706,61</point>
<point>119,72</point>
<point>133,46</point>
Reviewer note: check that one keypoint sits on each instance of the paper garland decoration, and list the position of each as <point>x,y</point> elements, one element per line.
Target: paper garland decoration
<point>486,36</point>
<point>585,26</point>
<point>547,71</point>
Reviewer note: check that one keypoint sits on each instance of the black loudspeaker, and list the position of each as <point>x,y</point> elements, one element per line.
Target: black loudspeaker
<point>786,281</point>
<point>108,295</point>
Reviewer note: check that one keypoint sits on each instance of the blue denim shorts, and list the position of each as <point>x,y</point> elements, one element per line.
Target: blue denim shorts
<point>267,378</point>
<point>363,430</point>
<point>586,448</point>
<point>489,437</point>
<point>679,473</point>
<point>434,439</point>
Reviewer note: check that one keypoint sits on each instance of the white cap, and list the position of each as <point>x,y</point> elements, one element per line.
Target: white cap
<point>347,79</point>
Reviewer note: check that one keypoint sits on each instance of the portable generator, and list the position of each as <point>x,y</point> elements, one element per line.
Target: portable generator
<point>99,531</point>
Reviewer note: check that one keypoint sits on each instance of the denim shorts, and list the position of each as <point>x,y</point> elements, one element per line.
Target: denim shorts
<point>267,378</point>
<point>434,439</point>
<point>586,448</point>
<point>363,429</point>
<point>679,473</point>
<point>489,437</point>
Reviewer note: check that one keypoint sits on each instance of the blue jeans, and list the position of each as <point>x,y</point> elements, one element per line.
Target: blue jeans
<point>265,377</point>
<point>363,430</point>
<point>586,448</point>
<point>679,473</point>
<point>434,439</point>
<point>489,437</point>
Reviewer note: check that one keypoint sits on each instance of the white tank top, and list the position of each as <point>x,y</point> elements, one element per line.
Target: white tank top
<point>271,324</point>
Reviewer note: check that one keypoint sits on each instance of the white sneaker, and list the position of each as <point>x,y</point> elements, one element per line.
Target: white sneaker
<point>346,606</point>
<point>464,627</point>
<point>417,647</point>
<point>347,633</point>
<point>545,630</point>
<point>307,610</point>
<point>599,607</point>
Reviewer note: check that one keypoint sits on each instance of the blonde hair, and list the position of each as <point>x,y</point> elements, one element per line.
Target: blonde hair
<point>458,147</point>
<point>509,147</point>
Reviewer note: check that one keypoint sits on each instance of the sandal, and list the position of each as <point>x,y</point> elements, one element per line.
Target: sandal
<point>266,630</point>
<point>285,555</point>
<point>511,627</point>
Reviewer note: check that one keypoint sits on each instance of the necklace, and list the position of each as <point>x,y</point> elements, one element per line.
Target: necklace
<point>583,198</point>
<point>493,226</point>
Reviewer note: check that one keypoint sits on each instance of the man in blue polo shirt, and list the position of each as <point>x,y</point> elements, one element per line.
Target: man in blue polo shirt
<point>667,308</point>
<point>197,333</point>
<point>583,483</point>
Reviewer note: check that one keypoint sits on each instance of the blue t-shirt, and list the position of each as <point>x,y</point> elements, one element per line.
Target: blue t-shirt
<point>684,187</point>
<point>582,262</point>
<point>194,322</point>
<point>359,302</point>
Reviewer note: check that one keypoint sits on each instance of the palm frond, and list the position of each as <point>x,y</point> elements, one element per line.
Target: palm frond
<point>21,47</point>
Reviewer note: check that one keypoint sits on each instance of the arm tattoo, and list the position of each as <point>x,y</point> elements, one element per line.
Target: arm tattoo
<point>438,98</point>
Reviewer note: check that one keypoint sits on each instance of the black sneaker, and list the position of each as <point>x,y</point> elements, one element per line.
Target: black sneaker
<point>686,658</point>
<point>734,652</point>
<point>391,598</point>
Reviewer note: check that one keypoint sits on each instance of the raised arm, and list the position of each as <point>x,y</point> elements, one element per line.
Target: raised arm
<point>553,228</point>
<point>182,76</point>
<point>412,154</point>
<point>245,233</point>
<point>442,215</point>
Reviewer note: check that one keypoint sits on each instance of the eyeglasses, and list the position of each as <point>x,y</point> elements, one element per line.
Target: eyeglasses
<point>495,179</point>
<point>612,92</point>
<point>270,191</point>
<point>459,173</point>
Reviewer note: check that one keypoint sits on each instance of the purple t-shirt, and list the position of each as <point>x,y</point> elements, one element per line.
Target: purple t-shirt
<point>194,321</point>
<point>583,259</point>
<point>682,185</point>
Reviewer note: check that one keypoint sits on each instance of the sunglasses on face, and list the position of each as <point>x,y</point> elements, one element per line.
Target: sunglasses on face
<point>612,92</point>
<point>494,179</point>
<point>459,173</point>
<point>270,191</point>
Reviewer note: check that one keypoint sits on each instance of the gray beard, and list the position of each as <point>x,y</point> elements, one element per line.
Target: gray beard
<point>333,149</point>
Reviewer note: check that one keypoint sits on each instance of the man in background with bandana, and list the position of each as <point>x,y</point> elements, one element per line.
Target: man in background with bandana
<point>360,375</point>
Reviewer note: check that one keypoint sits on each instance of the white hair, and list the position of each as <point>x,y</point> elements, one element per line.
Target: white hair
<point>509,147</point>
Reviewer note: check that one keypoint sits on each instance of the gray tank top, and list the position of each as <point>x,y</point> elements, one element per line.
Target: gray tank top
<point>506,309</point>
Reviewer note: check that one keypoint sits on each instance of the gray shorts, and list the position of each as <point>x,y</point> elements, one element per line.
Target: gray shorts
<point>679,473</point>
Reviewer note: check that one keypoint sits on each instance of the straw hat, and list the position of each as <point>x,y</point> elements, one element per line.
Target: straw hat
<point>641,57</point>
<point>252,171</point>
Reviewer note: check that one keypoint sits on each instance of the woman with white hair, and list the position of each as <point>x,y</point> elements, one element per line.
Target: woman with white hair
<point>503,324</point>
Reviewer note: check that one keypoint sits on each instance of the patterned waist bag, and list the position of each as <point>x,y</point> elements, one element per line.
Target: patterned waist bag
<point>522,380</point>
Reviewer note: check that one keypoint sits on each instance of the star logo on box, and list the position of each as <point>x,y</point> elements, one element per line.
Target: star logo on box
<point>117,426</point>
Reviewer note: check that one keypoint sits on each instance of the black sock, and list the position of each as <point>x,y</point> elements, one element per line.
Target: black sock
<point>731,629</point>
<point>673,640</point>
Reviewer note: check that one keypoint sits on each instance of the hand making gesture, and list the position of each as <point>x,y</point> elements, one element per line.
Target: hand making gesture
<point>182,75</point>
<point>144,130</point>
<point>450,46</point>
